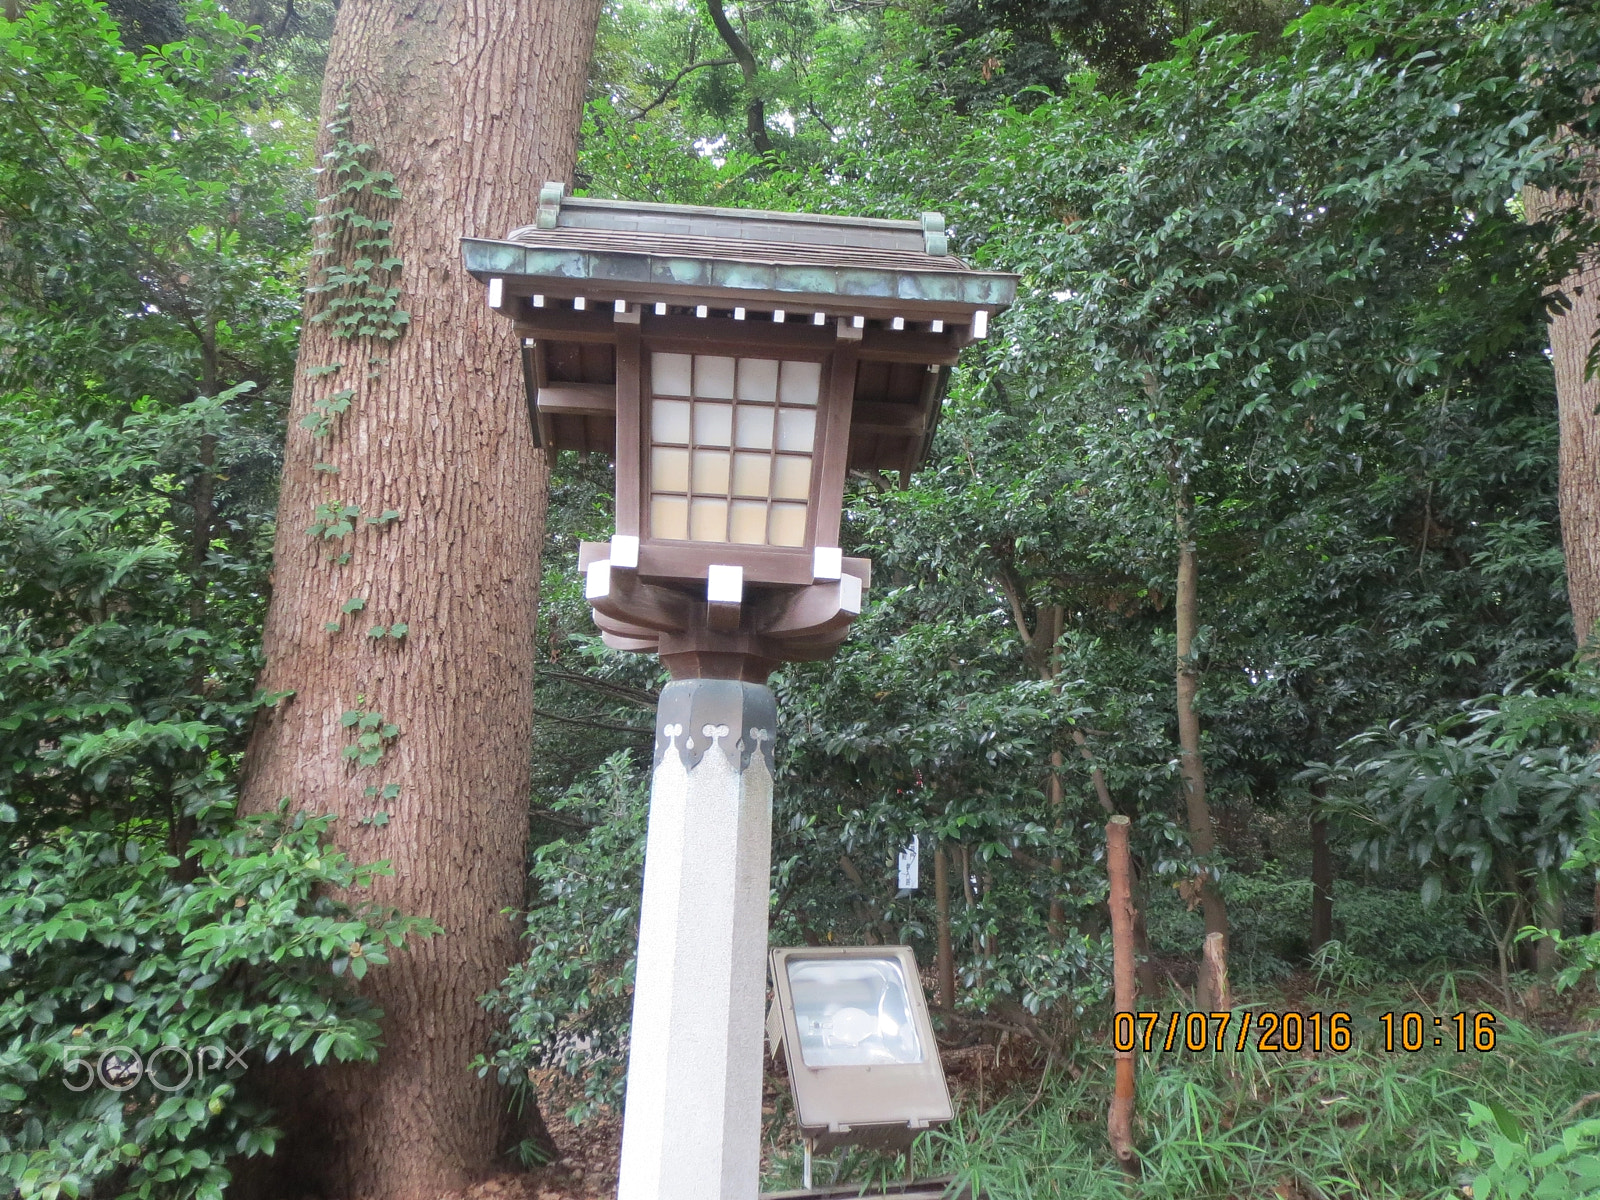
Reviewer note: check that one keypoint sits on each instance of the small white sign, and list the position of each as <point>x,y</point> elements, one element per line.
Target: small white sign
<point>910,862</point>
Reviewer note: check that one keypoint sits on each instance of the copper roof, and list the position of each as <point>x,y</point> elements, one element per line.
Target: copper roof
<point>743,249</point>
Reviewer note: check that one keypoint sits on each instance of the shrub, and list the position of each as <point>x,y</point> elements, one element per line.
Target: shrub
<point>122,964</point>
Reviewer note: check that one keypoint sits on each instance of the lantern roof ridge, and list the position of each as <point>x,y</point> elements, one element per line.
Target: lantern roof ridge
<point>735,233</point>
<point>634,251</point>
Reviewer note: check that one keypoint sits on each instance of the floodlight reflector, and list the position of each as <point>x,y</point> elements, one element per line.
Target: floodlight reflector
<point>853,1012</point>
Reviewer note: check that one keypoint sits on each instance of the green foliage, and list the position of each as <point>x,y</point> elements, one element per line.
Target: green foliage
<point>372,732</point>
<point>113,947</point>
<point>1381,932</point>
<point>568,1002</point>
<point>359,285</point>
<point>1363,1123</point>
<point>1582,951</point>
<point>153,211</point>
<point>115,696</point>
<point>1567,1170</point>
<point>1468,804</point>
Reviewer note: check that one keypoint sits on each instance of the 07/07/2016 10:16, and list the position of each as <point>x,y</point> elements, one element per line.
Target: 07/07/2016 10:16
<point>1293,1032</point>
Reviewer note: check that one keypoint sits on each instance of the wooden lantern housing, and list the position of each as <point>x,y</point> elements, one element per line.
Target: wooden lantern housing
<point>735,365</point>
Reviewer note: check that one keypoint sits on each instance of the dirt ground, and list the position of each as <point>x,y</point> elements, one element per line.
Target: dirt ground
<point>586,1168</point>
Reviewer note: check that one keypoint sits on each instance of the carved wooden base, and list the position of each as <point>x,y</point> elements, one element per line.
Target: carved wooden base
<point>727,631</point>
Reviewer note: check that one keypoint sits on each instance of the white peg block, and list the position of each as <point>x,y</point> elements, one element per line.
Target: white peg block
<point>624,550</point>
<point>725,585</point>
<point>827,562</point>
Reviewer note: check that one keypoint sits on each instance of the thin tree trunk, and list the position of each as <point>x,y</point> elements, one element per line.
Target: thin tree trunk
<point>970,891</point>
<point>1125,996</point>
<point>1056,920</point>
<point>1548,913</point>
<point>470,106</point>
<point>1572,339</point>
<point>205,480</point>
<point>1202,833</point>
<point>1053,622</point>
<point>755,109</point>
<point>1321,871</point>
<point>947,957</point>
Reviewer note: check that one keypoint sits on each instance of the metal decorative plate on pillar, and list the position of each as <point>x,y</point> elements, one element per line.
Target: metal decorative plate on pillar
<point>735,365</point>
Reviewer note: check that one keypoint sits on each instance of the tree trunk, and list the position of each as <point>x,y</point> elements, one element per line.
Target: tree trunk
<point>1321,872</point>
<point>205,479</point>
<point>1053,623</point>
<point>947,957</point>
<point>1572,338</point>
<point>755,109</point>
<point>1202,833</point>
<point>471,107</point>
<point>1125,996</point>
<point>1549,910</point>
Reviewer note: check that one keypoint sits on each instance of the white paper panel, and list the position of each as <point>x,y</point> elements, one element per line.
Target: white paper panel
<point>708,520</point>
<point>669,374</point>
<point>752,474</point>
<point>755,427</point>
<point>669,470</point>
<point>791,478</point>
<point>749,523</point>
<point>800,382</point>
<point>711,472</point>
<point>669,421</point>
<point>758,379</point>
<point>713,424</point>
<point>788,527</point>
<point>797,429</point>
<point>669,517</point>
<point>713,377</point>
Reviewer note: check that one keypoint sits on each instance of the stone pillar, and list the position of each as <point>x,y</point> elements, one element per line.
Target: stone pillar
<point>692,1118</point>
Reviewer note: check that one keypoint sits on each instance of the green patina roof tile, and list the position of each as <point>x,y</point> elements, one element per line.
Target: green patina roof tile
<point>633,268</point>
<point>691,271</point>
<point>929,285</point>
<point>563,264</point>
<point>744,275</point>
<point>865,283</point>
<point>804,279</point>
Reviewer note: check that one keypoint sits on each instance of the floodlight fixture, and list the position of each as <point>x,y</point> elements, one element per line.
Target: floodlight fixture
<point>853,1026</point>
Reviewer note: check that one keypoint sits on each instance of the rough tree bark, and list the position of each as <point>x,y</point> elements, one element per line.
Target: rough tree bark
<point>1202,833</point>
<point>1572,338</point>
<point>471,104</point>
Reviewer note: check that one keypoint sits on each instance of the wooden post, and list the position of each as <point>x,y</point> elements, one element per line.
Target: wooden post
<point>1119,1124</point>
<point>1215,968</point>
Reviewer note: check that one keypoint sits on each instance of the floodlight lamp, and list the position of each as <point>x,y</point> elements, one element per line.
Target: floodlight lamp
<point>853,1025</point>
<point>852,1012</point>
